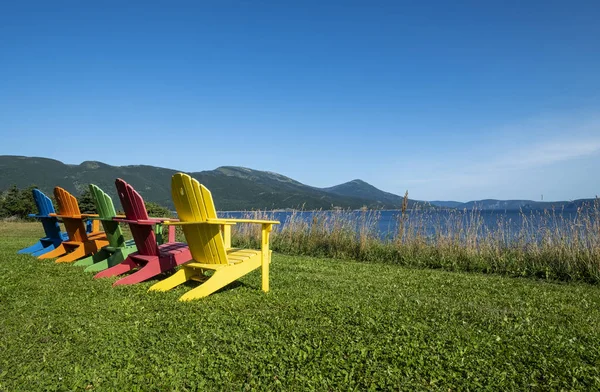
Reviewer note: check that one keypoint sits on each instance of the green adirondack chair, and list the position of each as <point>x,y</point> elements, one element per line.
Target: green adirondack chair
<point>118,249</point>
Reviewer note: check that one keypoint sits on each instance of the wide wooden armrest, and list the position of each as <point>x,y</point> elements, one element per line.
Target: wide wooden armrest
<point>224,222</point>
<point>81,216</point>
<point>96,217</point>
<point>38,216</point>
<point>150,221</point>
<point>137,222</point>
<point>66,216</point>
<point>259,221</point>
<point>206,222</point>
<point>161,220</point>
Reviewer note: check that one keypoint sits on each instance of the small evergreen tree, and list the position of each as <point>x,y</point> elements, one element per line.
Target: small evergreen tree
<point>2,197</point>
<point>28,206</point>
<point>11,202</point>
<point>86,202</point>
<point>18,203</point>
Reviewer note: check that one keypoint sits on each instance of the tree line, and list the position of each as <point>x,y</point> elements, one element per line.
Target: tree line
<point>18,203</point>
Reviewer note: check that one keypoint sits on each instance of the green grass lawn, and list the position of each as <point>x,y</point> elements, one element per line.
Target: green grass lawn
<point>326,325</point>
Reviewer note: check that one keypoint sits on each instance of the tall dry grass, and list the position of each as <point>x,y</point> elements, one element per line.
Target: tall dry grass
<point>546,244</point>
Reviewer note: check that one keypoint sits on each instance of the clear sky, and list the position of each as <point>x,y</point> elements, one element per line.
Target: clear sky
<point>451,100</point>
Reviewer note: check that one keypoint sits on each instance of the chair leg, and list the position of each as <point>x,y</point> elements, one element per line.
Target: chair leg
<point>85,262</point>
<point>59,251</point>
<point>150,270</point>
<point>120,255</point>
<point>127,265</point>
<point>32,249</point>
<point>102,254</point>
<point>75,254</point>
<point>97,267</point>
<point>115,259</point>
<point>183,275</point>
<point>220,279</point>
<point>44,250</point>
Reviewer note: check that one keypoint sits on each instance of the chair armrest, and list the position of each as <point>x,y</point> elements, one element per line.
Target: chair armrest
<point>160,220</point>
<point>81,216</point>
<point>150,221</point>
<point>66,216</point>
<point>207,222</point>
<point>94,218</point>
<point>137,222</point>
<point>224,222</point>
<point>157,221</point>
<point>258,221</point>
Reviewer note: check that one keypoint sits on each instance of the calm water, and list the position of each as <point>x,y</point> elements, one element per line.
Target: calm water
<point>386,223</point>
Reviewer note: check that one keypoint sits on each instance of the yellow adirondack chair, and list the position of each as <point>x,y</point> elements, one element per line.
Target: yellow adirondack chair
<point>202,230</point>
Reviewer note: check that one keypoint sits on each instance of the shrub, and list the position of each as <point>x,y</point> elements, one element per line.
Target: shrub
<point>17,203</point>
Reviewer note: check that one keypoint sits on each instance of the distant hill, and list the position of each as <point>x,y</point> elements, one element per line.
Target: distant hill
<point>361,189</point>
<point>446,204</point>
<point>512,205</point>
<point>152,182</point>
<point>234,188</point>
<point>243,188</point>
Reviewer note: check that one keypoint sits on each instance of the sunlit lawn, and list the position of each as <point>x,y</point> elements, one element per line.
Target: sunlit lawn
<point>326,325</point>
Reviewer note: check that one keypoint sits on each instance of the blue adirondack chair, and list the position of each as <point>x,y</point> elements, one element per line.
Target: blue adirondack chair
<point>53,236</point>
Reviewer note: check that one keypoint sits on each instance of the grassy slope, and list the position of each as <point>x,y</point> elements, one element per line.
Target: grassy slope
<point>326,324</point>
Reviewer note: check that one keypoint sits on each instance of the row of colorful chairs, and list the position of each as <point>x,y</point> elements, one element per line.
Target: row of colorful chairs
<point>148,254</point>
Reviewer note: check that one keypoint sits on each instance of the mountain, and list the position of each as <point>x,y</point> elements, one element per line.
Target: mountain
<point>446,204</point>
<point>241,188</point>
<point>47,173</point>
<point>361,189</point>
<point>492,204</point>
<point>513,205</point>
<point>234,188</point>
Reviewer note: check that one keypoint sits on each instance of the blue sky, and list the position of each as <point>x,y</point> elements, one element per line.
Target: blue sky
<point>450,100</point>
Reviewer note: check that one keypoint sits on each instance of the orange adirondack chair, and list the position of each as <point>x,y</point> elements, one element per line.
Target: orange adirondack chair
<point>80,243</point>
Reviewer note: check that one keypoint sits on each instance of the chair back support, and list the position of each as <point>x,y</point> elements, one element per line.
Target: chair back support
<point>135,209</point>
<point>45,208</point>
<point>193,202</point>
<point>71,216</point>
<point>43,203</point>
<point>106,212</point>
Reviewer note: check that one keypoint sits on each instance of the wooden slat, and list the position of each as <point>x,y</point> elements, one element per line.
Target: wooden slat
<point>264,222</point>
<point>135,210</point>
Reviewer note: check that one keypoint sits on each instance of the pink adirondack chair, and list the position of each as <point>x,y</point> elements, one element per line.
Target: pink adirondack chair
<point>151,259</point>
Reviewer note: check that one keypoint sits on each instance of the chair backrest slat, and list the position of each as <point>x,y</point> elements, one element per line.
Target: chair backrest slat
<point>42,202</point>
<point>106,211</point>
<point>135,209</point>
<point>45,208</point>
<point>69,208</point>
<point>194,202</point>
